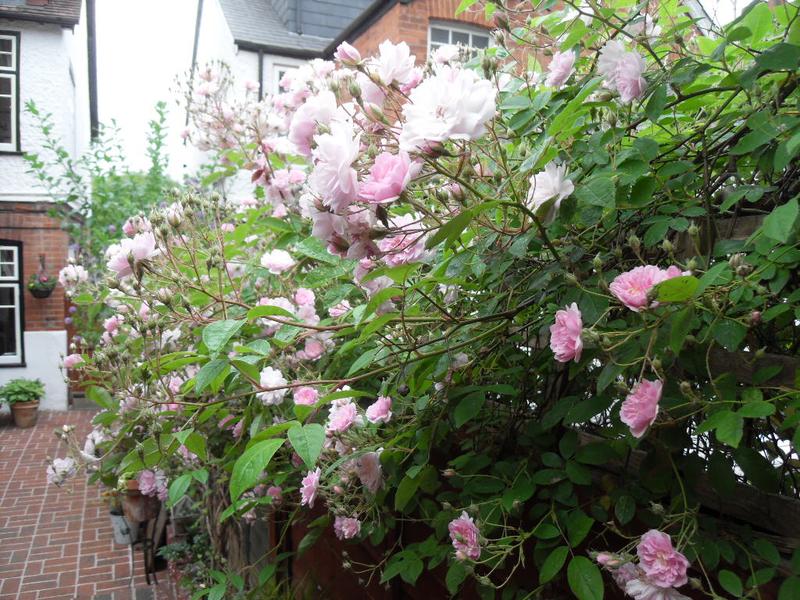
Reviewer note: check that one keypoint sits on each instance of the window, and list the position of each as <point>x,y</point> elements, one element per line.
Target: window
<point>442,34</point>
<point>10,303</point>
<point>9,91</point>
<point>280,71</point>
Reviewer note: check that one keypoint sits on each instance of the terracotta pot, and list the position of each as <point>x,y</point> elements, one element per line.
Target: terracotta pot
<point>136,506</point>
<point>25,413</point>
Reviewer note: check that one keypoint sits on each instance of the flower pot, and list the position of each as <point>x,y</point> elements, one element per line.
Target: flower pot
<point>41,292</point>
<point>138,507</point>
<point>123,532</point>
<point>25,413</point>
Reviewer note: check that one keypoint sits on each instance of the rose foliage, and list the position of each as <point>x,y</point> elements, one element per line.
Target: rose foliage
<point>524,321</point>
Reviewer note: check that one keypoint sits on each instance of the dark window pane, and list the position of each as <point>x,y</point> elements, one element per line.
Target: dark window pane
<point>7,296</point>
<point>6,60</point>
<point>5,44</point>
<point>440,36</point>
<point>8,331</point>
<point>7,270</point>
<point>5,120</point>
<point>461,38</point>
<point>480,41</point>
<point>5,86</point>
<point>6,255</point>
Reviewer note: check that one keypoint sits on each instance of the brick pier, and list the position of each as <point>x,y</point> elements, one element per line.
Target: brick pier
<point>58,543</point>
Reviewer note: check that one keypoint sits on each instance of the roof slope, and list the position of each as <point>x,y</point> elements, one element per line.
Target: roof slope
<point>61,12</point>
<point>302,27</point>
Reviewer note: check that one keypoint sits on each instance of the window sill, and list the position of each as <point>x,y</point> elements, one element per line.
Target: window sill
<point>20,365</point>
<point>12,153</point>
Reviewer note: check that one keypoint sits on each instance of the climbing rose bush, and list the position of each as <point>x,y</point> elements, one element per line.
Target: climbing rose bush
<point>496,308</point>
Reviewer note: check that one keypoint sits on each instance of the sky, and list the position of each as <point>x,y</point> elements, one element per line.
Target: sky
<point>142,46</point>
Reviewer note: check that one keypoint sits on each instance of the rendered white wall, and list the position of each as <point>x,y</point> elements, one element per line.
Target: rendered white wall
<point>43,352</point>
<point>46,52</point>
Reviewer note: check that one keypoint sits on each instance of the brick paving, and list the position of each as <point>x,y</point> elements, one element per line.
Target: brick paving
<point>58,543</point>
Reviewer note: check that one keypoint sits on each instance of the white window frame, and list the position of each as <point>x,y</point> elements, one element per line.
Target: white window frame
<point>14,282</point>
<point>274,65</point>
<point>458,28</point>
<point>11,73</point>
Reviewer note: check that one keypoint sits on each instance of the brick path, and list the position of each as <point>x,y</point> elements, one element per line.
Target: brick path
<point>58,543</point>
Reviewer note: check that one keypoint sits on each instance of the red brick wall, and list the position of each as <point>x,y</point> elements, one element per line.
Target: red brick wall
<point>409,23</point>
<point>29,223</point>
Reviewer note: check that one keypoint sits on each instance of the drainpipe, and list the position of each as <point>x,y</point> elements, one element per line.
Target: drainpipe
<point>260,74</point>
<point>91,51</point>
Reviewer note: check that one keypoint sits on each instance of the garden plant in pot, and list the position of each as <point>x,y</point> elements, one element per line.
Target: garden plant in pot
<point>23,396</point>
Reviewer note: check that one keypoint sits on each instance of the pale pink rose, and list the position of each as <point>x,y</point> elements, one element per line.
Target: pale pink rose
<point>272,378</point>
<point>413,81</point>
<point>630,83</point>
<point>333,178</point>
<point>565,334</point>
<point>312,350</point>
<point>277,261</point>
<point>632,287</point>
<point>445,54</point>
<point>304,296</point>
<point>625,573</point>
<point>642,589</point>
<point>61,469</point>
<point>388,177</point>
<point>136,224</point>
<point>71,275</point>
<point>346,527</point>
<point>305,395</point>
<point>395,63</point>
<point>175,384</point>
<point>342,415</point>
<point>342,308</point>
<point>622,70</point>
<point>112,324</point>
<point>640,407</point>
<point>369,471</point>
<point>73,360</point>
<point>549,185</point>
<point>465,537</point>
<point>663,565</point>
<point>452,104</point>
<point>227,228</point>
<point>153,483</point>
<point>380,411</point>
<point>406,242</point>
<point>317,110</point>
<point>347,54</point>
<point>131,250</point>
<point>560,68</point>
<point>309,488</point>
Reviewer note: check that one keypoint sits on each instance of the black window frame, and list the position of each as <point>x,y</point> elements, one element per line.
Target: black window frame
<point>17,146</point>
<point>21,307</point>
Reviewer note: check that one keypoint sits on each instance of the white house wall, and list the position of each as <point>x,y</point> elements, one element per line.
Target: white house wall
<point>46,52</point>
<point>43,351</point>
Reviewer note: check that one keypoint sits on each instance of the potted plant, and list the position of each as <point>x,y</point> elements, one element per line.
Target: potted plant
<point>23,396</point>
<point>136,506</point>
<point>40,284</point>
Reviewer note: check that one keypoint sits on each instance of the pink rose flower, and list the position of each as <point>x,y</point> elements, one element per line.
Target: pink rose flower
<point>630,83</point>
<point>140,247</point>
<point>317,110</point>
<point>277,261</point>
<point>369,471</point>
<point>312,350</point>
<point>388,177</point>
<point>153,483</point>
<point>304,296</point>
<point>380,411</point>
<point>333,178</point>
<point>406,243</point>
<point>111,324</point>
<point>642,589</point>
<point>464,534</point>
<point>73,360</point>
<point>342,415</point>
<point>346,527</point>
<point>560,68</point>
<point>342,308</point>
<point>663,565</point>
<point>632,287</point>
<point>309,488</point>
<point>565,334</point>
<point>276,493</point>
<point>347,54</point>
<point>640,407</point>
<point>306,395</point>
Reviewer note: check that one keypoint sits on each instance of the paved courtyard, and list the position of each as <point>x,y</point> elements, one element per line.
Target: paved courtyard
<point>58,543</point>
